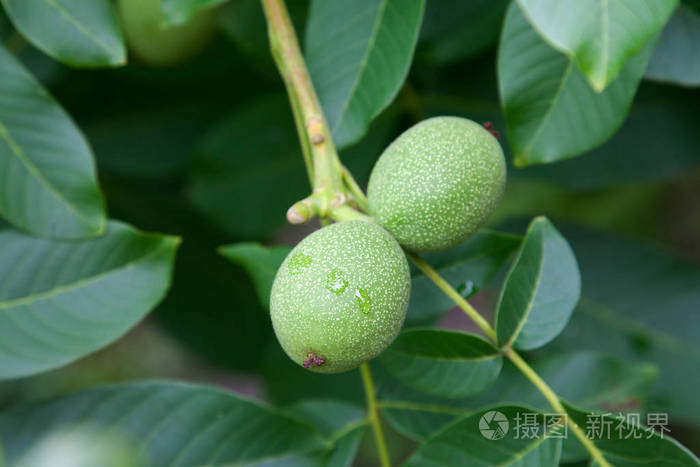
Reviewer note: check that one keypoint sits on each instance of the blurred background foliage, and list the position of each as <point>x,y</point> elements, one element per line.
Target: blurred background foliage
<point>206,149</point>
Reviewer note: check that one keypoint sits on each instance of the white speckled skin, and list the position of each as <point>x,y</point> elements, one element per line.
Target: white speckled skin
<point>437,183</point>
<point>315,301</point>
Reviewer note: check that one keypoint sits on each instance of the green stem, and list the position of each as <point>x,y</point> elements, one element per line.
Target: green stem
<point>346,213</point>
<point>320,156</point>
<point>374,415</point>
<point>433,275</point>
<point>314,134</point>
<point>553,400</point>
<point>512,355</point>
<point>305,143</point>
<point>355,190</point>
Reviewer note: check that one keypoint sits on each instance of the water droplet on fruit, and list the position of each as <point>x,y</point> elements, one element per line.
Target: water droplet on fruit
<point>467,288</point>
<point>363,300</point>
<point>336,282</point>
<point>299,263</point>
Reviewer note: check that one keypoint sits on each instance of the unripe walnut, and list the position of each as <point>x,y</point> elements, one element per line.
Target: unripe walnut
<point>156,44</point>
<point>437,183</point>
<point>340,297</point>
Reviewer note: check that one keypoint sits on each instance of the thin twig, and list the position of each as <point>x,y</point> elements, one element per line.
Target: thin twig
<point>374,415</point>
<point>511,354</point>
<point>320,155</point>
<point>553,400</point>
<point>315,136</point>
<point>355,190</point>
<point>433,275</point>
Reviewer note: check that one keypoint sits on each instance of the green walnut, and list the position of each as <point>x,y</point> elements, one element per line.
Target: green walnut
<point>340,297</point>
<point>437,183</point>
<point>160,45</point>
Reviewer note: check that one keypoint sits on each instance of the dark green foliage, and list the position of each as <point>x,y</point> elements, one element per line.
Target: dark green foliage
<point>204,152</point>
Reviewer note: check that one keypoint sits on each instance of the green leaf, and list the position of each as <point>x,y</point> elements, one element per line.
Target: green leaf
<point>85,446</point>
<point>342,423</point>
<point>171,423</point>
<point>331,417</point>
<point>345,450</point>
<point>444,363</point>
<point>600,35</point>
<point>358,54</point>
<point>588,379</point>
<point>660,122</point>
<point>76,32</point>
<point>676,57</point>
<point>177,12</point>
<point>260,262</point>
<point>468,267</point>
<point>454,30</point>
<point>225,330</point>
<point>640,302</point>
<point>60,301</point>
<point>420,420</point>
<point>475,440</point>
<point>627,444</point>
<point>540,291</point>
<point>49,183</point>
<point>415,414</point>
<point>544,96</point>
<point>247,188</point>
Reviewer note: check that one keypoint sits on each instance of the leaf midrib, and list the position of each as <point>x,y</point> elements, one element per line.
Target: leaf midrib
<point>604,52</point>
<point>80,26</point>
<point>421,407</point>
<point>9,304</point>
<point>439,358</point>
<point>521,453</point>
<point>548,114</point>
<point>363,64</point>
<point>513,455</point>
<point>531,301</point>
<point>19,153</point>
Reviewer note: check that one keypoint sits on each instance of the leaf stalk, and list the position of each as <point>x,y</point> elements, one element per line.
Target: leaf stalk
<point>320,155</point>
<point>511,354</point>
<point>553,400</point>
<point>374,415</point>
<point>327,175</point>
